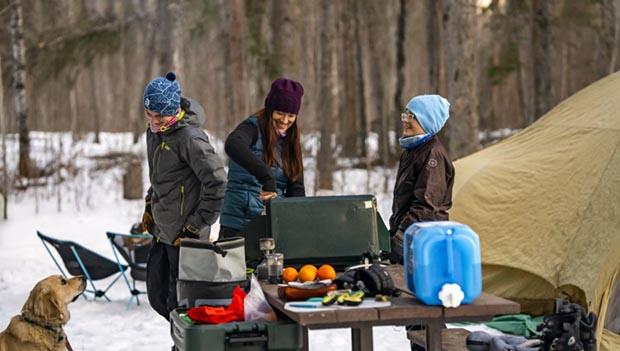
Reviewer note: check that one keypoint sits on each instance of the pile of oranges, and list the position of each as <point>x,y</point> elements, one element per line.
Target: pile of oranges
<point>308,273</point>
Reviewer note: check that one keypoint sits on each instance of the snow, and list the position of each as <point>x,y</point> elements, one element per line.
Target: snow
<point>89,203</point>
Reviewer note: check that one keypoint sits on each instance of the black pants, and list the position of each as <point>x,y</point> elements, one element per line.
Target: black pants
<point>227,232</point>
<point>162,272</point>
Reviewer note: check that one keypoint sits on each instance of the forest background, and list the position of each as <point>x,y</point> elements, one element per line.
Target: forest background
<point>79,66</point>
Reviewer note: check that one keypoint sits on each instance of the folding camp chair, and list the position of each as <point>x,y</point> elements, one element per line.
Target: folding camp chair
<point>134,249</point>
<point>79,260</point>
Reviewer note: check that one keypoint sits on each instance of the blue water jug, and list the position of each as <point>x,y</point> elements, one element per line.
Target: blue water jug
<point>442,263</point>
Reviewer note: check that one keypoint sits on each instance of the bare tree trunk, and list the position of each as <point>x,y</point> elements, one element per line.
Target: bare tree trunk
<point>165,27</point>
<point>432,47</point>
<point>126,103</point>
<point>348,111</point>
<point>400,69</point>
<point>565,68</point>
<point>94,107</point>
<point>609,32</point>
<point>362,126</point>
<point>227,73</point>
<point>19,84</point>
<point>376,76</point>
<point>514,30</point>
<point>75,128</point>
<point>235,64</point>
<point>151,47</point>
<point>458,57</point>
<point>5,173</point>
<point>521,91</point>
<point>541,42</point>
<point>616,42</point>
<point>325,161</point>
<point>132,179</point>
<point>282,33</point>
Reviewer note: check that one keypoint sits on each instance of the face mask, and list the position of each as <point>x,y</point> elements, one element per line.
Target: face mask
<point>413,141</point>
<point>169,124</point>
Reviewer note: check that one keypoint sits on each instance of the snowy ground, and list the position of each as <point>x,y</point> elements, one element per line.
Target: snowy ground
<point>89,204</point>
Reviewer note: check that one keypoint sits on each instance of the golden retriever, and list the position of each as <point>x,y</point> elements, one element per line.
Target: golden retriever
<point>39,326</point>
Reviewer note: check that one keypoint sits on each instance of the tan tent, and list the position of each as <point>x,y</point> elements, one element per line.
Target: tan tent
<point>546,204</point>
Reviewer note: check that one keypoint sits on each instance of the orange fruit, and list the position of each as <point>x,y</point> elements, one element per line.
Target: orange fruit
<point>326,272</point>
<point>309,266</point>
<point>289,274</point>
<point>307,274</point>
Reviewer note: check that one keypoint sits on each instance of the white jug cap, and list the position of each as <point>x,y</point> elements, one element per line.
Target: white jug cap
<point>451,295</point>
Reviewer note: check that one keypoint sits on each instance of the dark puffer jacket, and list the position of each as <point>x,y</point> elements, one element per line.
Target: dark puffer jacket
<point>248,174</point>
<point>423,189</point>
<point>187,177</point>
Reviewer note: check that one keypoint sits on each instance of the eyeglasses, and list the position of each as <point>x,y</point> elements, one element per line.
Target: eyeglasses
<point>407,116</point>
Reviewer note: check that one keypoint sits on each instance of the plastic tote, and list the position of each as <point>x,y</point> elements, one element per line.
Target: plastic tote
<point>442,263</point>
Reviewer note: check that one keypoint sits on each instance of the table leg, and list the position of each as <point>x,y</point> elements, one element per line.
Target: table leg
<point>433,335</point>
<point>361,339</point>
<point>305,346</point>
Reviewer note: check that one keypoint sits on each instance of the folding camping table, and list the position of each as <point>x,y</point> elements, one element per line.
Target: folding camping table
<point>404,310</point>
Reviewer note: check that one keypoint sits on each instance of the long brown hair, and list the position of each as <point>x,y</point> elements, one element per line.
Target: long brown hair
<point>292,162</point>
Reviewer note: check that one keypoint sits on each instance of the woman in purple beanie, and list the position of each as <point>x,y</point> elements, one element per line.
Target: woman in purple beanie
<point>264,157</point>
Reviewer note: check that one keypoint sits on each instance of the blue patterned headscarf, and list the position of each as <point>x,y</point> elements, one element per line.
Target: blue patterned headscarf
<point>163,95</point>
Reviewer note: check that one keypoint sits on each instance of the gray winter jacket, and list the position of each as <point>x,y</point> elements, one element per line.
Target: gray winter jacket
<point>187,177</point>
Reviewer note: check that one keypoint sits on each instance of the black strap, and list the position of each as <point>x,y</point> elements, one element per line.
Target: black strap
<point>69,348</point>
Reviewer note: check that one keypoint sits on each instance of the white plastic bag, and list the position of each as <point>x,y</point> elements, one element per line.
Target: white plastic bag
<point>255,305</point>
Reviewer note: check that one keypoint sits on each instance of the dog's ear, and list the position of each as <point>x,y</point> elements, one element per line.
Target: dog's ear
<point>45,305</point>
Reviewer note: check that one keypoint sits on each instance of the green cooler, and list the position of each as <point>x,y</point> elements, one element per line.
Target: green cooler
<point>280,335</point>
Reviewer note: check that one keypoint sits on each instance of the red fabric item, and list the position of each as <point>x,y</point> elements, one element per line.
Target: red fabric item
<point>219,315</point>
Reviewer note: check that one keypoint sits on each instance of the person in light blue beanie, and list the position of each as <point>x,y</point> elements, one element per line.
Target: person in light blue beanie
<point>423,188</point>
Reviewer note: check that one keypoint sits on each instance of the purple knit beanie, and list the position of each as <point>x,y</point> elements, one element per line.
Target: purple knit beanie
<point>285,96</point>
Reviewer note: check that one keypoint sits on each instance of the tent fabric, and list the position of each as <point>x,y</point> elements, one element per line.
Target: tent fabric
<point>546,204</point>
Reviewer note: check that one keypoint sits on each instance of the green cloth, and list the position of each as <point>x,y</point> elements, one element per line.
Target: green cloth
<point>514,324</point>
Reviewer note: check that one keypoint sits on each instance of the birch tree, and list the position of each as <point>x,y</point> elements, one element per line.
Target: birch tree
<point>19,85</point>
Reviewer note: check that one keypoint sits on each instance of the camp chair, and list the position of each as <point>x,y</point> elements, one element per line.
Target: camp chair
<point>135,255</point>
<point>79,260</point>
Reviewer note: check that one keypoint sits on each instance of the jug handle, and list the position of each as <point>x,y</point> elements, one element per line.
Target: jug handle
<point>450,256</point>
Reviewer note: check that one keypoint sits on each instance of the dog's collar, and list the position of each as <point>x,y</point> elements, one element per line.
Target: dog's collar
<point>56,330</point>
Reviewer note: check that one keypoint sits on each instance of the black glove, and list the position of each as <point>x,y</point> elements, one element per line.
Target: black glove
<point>396,243</point>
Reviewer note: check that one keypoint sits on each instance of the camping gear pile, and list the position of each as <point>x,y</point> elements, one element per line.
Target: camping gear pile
<point>569,328</point>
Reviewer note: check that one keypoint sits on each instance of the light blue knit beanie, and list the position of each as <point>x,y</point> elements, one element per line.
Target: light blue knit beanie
<point>431,111</point>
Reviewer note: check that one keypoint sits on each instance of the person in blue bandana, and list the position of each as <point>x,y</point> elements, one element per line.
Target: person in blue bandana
<point>423,188</point>
<point>188,181</point>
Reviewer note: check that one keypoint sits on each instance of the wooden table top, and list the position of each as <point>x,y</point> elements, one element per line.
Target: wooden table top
<point>404,309</point>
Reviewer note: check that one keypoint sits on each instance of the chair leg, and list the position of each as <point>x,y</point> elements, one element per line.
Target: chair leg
<point>118,263</point>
